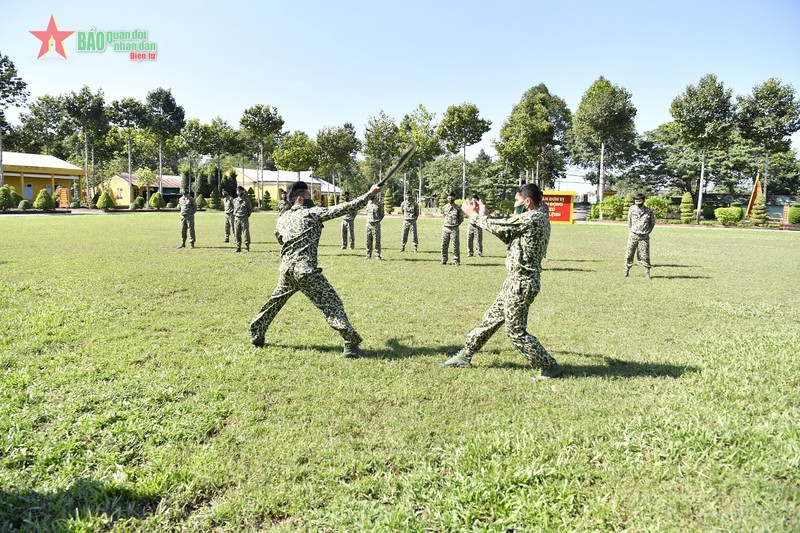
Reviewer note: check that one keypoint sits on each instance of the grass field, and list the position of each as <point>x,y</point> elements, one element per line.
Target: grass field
<point>130,398</point>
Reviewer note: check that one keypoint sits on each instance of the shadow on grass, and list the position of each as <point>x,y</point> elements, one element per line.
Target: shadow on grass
<point>681,277</point>
<point>679,266</point>
<point>394,349</point>
<point>551,269</point>
<point>85,498</point>
<point>572,260</point>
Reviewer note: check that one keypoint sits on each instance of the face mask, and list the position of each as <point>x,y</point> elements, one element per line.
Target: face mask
<point>518,209</point>
<point>308,203</point>
<point>451,200</point>
<point>240,193</point>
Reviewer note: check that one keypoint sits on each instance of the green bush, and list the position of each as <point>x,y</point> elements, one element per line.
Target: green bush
<point>614,208</point>
<point>660,206</point>
<point>739,208</point>
<point>44,201</point>
<point>759,216</point>
<point>140,202</point>
<point>171,204</point>
<point>105,202</point>
<point>24,205</point>
<point>75,204</point>
<point>200,201</point>
<point>6,202</point>
<point>388,201</point>
<point>505,207</point>
<point>727,216</point>
<point>489,201</point>
<point>708,210</point>
<point>266,201</point>
<point>16,198</point>
<point>794,214</point>
<point>594,212</point>
<point>157,201</point>
<point>687,209</point>
<point>252,195</point>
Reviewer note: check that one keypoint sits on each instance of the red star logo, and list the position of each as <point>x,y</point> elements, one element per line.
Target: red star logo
<point>52,33</point>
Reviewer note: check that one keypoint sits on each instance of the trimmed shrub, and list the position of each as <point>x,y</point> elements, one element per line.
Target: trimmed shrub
<point>200,201</point>
<point>594,212</point>
<point>75,204</point>
<point>16,198</point>
<point>24,205</point>
<point>505,207</point>
<point>388,201</point>
<point>794,213</point>
<point>708,210</point>
<point>44,201</point>
<point>727,216</point>
<point>171,204</point>
<point>759,216</point>
<point>660,206</point>
<point>614,208</point>
<point>6,202</point>
<point>157,201</point>
<point>252,195</point>
<point>140,202</point>
<point>489,201</point>
<point>687,209</point>
<point>266,201</point>
<point>105,202</point>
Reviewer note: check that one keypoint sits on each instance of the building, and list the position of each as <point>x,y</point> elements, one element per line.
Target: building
<point>124,188</point>
<point>30,173</point>
<point>274,180</point>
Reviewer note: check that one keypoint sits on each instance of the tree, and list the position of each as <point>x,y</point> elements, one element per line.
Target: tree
<point>297,152</point>
<point>603,130</point>
<point>214,201</point>
<point>44,127</point>
<point>704,115</point>
<point>192,142</point>
<point>220,139</point>
<point>105,202</point>
<point>166,119</point>
<point>44,201</point>
<point>687,208</point>
<point>418,127</point>
<point>129,114</point>
<point>759,215</point>
<point>381,142</point>
<point>337,147</point>
<point>262,125</point>
<point>462,127</point>
<point>768,117</point>
<point>13,93</point>
<point>145,178</point>
<point>157,201</point>
<point>87,110</point>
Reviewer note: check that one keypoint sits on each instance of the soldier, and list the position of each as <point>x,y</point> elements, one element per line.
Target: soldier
<point>526,233</point>
<point>298,232</point>
<point>227,205</point>
<point>410,210</point>
<point>641,222</point>
<point>474,233</point>
<point>375,214</point>
<point>348,225</point>
<point>188,208</point>
<point>453,217</point>
<point>283,205</point>
<point>242,209</point>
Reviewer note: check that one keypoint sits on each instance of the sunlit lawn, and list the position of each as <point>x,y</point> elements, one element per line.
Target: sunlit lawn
<point>130,397</point>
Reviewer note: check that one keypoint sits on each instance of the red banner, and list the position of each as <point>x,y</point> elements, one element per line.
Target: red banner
<point>559,204</point>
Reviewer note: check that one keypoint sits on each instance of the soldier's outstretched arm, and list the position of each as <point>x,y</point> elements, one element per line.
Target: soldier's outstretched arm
<point>327,213</point>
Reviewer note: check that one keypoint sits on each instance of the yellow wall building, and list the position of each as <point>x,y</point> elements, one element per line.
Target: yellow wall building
<point>30,173</point>
<point>273,180</point>
<point>122,186</point>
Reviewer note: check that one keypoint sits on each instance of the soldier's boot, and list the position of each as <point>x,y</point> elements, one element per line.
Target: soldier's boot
<point>344,247</point>
<point>480,254</point>
<point>626,272</point>
<point>191,245</point>
<point>369,256</point>
<point>227,239</point>
<point>456,262</point>
<point>352,351</point>
<point>551,372</point>
<point>182,245</point>
<point>416,249</point>
<point>457,361</point>
<point>378,258</point>
<point>352,247</point>
<point>257,340</point>
<point>246,247</point>
<point>469,254</point>
<point>237,250</point>
<point>647,273</point>
<point>402,247</point>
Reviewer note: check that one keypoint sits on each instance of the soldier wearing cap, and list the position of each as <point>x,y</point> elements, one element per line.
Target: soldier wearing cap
<point>348,225</point>
<point>187,208</point>
<point>453,217</point>
<point>227,206</point>
<point>242,209</point>
<point>410,210</point>
<point>641,221</point>
<point>474,234</point>
<point>283,205</point>
<point>527,234</point>
<point>298,232</point>
<point>375,214</point>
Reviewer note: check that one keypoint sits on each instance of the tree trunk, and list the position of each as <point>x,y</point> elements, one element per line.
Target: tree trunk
<point>419,194</point>
<point>700,187</point>
<point>86,165</point>
<point>766,174</point>
<point>130,175</point>
<point>464,174</point>
<point>601,181</point>
<point>160,182</point>
<point>2,175</point>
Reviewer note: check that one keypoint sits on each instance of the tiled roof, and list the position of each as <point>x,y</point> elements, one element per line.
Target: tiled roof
<point>36,160</point>
<point>170,182</point>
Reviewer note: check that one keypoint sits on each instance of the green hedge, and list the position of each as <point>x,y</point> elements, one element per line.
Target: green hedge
<point>727,216</point>
<point>794,214</point>
<point>660,206</point>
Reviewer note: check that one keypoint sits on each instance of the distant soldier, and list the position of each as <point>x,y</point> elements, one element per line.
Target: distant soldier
<point>298,232</point>
<point>410,210</point>
<point>283,205</point>
<point>188,208</point>
<point>242,209</point>
<point>453,217</point>
<point>527,234</point>
<point>474,233</point>
<point>375,214</point>
<point>348,225</point>
<point>227,206</point>
<point>641,222</point>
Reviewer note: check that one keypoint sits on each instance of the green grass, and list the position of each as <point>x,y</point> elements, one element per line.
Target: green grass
<point>130,398</point>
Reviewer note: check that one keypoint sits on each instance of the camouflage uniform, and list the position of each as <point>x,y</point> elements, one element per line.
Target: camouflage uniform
<point>474,234</point>
<point>188,208</point>
<point>453,217</point>
<point>227,204</point>
<point>242,208</point>
<point>527,236</point>
<point>298,232</point>
<point>410,210</point>
<point>375,214</point>
<point>283,206</point>
<point>640,223</point>
<point>348,229</point>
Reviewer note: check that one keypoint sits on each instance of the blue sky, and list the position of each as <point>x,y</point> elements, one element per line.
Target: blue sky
<point>326,63</point>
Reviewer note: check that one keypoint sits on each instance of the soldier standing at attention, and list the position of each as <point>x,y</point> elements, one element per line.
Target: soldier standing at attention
<point>227,205</point>
<point>298,232</point>
<point>348,225</point>
<point>641,221</point>
<point>453,217</point>
<point>527,234</point>
<point>410,210</point>
<point>188,209</point>
<point>474,233</point>
<point>375,214</point>
<point>283,205</point>
<point>242,209</point>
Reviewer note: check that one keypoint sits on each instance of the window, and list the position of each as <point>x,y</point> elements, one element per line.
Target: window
<point>119,194</point>
<point>28,192</point>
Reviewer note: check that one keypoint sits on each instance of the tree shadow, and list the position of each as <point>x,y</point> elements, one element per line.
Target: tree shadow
<point>85,498</point>
<point>573,260</point>
<point>549,269</point>
<point>610,367</point>
<point>681,277</point>
<point>679,266</point>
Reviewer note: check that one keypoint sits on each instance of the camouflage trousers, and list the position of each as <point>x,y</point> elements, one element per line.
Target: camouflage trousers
<point>447,233</point>
<point>639,245</point>
<point>187,225</point>
<point>348,232</point>
<point>321,293</point>
<point>241,225</point>
<point>228,225</point>
<point>410,225</point>
<point>475,234</point>
<point>511,308</point>
<point>374,239</point>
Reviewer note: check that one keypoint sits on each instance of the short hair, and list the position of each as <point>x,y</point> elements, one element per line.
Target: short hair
<point>532,191</point>
<point>295,189</point>
<point>239,188</point>
<point>475,197</point>
<point>224,192</point>
<point>451,193</point>
<point>639,196</point>
<point>408,193</point>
